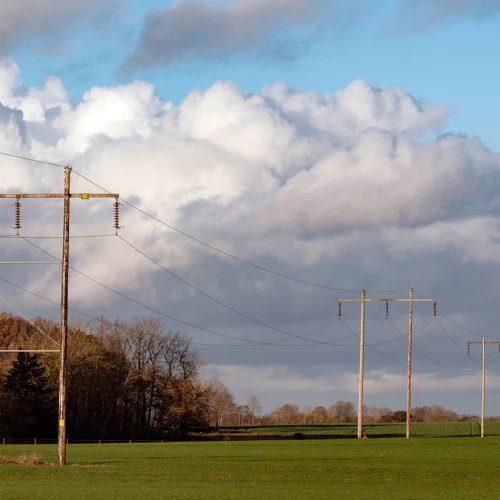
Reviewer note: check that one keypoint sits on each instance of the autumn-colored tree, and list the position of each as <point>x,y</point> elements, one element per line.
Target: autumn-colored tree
<point>343,411</point>
<point>220,400</point>
<point>319,415</point>
<point>125,379</point>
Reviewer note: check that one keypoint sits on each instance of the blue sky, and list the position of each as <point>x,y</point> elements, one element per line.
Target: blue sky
<point>453,62</point>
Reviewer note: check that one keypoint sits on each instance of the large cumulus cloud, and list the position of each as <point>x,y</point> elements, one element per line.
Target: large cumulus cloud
<point>355,189</point>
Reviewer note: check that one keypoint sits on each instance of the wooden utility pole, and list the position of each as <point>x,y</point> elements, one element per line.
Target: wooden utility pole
<point>363,300</point>
<point>361,365</point>
<point>410,353</point>
<point>61,449</point>
<point>61,437</point>
<point>483,381</point>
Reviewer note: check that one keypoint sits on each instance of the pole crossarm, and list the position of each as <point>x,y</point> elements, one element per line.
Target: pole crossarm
<point>82,196</point>
<point>32,262</point>
<point>386,300</point>
<point>66,196</point>
<point>363,300</point>
<point>480,343</point>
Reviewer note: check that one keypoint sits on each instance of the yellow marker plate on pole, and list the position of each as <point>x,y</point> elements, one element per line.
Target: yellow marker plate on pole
<point>61,423</point>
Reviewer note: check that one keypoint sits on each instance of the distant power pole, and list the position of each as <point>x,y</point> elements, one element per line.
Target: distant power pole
<point>61,450</point>
<point>363,300</point>
<point>483,385</point>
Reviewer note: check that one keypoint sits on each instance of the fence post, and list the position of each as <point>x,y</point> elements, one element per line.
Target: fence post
<point>35,441</point>
<point>3,441</point>
<point>99,441</point>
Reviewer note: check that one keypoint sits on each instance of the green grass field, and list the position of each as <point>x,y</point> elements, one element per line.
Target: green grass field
<point>449,468</point>
<point>418,429</point>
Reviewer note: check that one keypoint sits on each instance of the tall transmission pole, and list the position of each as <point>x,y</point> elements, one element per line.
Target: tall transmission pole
<point>483,381</point>
<point>67,195</point>
<point>363,301</point>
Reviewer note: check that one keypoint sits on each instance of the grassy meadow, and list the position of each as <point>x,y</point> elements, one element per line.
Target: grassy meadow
<point>418,429</point>
<point>449,468</point>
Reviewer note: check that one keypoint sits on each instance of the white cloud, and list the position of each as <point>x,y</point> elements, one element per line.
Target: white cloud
<point>350,189</point>
<point>302,174</point>
<point>277,379</point>
<point>193,30</point>
<point>19,18</point>
<point>281,386</point>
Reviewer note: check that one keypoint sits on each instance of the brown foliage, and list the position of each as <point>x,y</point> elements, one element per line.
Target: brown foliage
<point>131,380</point>
<point>29,459</point>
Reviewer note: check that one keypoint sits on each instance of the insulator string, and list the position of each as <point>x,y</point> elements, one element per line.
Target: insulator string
<point>17,217</point>
<point>117,216</point>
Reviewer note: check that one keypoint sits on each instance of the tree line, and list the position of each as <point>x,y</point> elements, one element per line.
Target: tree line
<point>339,412</point>
<point>137,380</point>
<point>126,380</point>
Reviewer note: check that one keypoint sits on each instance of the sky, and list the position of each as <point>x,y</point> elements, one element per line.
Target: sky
<point>346,145</point>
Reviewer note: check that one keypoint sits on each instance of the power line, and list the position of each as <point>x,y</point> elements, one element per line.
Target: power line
<point>315,342</point>
<point>251,344</point>
<point>457,324</point>
<point>402,337</point>
<point>371,346</point>
<point>213,298</point>
<point>212,247</point>
<point>312,342</point>
<point>29,321</point>
<point>431,359</point>
<point>452,339</point>
<point>33,160</point>
<point>355,334</point>
<point>227,254</point>
<point>279,343</point>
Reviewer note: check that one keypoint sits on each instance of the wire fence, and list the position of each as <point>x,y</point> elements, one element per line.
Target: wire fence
<point>41,441</point>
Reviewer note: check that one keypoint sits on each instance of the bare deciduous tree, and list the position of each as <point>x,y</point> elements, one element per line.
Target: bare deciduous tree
<point>254,407</point>
<point>220,400</point>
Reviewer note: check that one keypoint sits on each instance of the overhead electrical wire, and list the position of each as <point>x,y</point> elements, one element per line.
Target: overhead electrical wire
<point>456,324</point>
<point>249,343</point>
<point>452,339</point>
<point>223,253</point>
<point>253,344</point>
<point>371,346</point>
<point>227,254</point>
<point>172,317</point>
<point>32,159</point>
<point>334,343</point>
<point>431,359</point>
<point>402,337</point>
<point>229,307</point>
<point>217,301</point>
<point>29,321</point>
